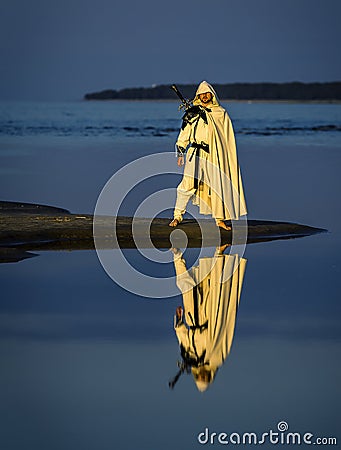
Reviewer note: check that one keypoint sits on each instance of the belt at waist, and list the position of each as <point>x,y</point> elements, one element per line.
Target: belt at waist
<point>198,147</point>
<point>202,146</point>
<point>201,328</point>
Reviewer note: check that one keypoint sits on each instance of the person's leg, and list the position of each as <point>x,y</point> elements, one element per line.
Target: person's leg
<point>221,224</point>
<point>218,220</point>
<point>184,192</point>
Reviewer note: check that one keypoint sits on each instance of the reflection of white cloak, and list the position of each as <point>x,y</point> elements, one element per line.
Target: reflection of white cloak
<point>217,307</point>
<point>224,197</point>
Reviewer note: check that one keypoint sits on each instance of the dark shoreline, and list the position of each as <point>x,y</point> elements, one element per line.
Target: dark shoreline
<point>293,91</point>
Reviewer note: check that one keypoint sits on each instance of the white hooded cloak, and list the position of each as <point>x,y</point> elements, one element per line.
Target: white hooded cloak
<point>224,197</point>
<point>216,303</point>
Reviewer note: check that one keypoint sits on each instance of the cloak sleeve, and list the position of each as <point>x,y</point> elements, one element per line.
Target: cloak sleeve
<point>182,335</point>
<point>184,137</point>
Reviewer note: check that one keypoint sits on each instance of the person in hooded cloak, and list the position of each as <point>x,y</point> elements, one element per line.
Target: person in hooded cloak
<point>212,176</point>
<point>205,325</point>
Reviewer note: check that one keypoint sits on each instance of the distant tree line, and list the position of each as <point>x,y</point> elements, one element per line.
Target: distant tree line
<point>232,91</point>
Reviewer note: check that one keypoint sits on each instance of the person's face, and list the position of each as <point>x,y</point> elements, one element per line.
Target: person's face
<point>204,375</point>
<point>205,97</point>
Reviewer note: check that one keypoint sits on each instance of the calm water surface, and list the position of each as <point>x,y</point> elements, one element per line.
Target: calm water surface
<point>86,364</point>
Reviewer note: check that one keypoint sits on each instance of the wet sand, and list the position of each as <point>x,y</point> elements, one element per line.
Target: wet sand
<point>26,227</point>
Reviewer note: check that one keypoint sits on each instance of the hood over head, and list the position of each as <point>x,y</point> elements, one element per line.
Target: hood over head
<point>203,376</point>
<point>205,87</point>
<point>202,385</point>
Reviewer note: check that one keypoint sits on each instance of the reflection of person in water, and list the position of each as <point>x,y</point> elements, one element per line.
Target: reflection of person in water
<point>205,326</point>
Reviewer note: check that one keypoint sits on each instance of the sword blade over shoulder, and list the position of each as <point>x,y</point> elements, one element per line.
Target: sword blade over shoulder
<point>185,103</point>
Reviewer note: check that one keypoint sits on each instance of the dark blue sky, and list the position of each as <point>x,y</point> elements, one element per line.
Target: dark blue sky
<point>59,50</point>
